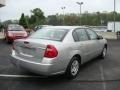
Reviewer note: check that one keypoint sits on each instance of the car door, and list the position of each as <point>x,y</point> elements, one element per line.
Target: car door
<point>82,43</point>
<point>96,44</point>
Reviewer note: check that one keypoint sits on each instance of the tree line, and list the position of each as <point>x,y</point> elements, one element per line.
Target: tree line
<point>38,18</point>
<point>93,19</point>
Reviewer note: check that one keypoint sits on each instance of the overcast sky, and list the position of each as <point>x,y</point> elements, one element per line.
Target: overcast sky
<point>14,8</point>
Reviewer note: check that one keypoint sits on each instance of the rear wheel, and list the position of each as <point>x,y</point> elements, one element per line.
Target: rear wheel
<point>73,68</point>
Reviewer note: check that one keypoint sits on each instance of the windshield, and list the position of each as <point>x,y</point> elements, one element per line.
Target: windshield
<point>15,28</point>
<point>50,34</point>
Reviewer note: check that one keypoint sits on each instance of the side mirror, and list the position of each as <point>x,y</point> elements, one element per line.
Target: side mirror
<point>100,37</point>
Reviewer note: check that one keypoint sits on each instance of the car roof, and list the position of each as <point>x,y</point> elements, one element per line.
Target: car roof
<point>66,27</point>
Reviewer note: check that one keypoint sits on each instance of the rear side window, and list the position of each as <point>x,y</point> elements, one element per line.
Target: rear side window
<point>92,34</point>
<point>80,35</point>
<point>50,34</point>
<point>75,36</point>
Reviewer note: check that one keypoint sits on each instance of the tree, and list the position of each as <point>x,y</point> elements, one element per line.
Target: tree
<point>72,19</point>
<point>37,17</point>
<point>23,21</point>
<point>93,19</point>
<point>52,20</point>
<point>7,22</point>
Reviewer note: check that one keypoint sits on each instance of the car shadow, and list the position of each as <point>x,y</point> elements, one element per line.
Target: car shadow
<point>90,63</point>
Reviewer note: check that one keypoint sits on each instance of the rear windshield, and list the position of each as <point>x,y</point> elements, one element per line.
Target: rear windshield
<point>15,28</point>
<point>50,34</point>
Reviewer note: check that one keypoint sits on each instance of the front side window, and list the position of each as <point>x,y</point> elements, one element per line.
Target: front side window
<point>92,34</point>
<point>50,34</point>
<point>81,35</point>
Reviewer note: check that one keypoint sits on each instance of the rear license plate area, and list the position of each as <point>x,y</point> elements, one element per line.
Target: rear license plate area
<point>28,51</point>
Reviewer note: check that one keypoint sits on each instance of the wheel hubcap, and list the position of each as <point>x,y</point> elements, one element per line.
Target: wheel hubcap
<point>74,67</point>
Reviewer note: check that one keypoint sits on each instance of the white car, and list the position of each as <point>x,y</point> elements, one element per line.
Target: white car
<point>58,49</point>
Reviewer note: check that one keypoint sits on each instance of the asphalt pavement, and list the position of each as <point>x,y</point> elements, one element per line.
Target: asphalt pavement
<point>95,75</point>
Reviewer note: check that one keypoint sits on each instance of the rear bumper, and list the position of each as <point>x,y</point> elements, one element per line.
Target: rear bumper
<point>14,38</point>
<point>39,68</point>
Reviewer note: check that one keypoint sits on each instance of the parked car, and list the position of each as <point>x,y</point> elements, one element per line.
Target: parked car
<point>58,49</point>
<point>14,31</point>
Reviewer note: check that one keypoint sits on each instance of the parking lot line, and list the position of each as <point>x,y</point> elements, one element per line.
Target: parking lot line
<point>102,77</point>
<point>20,76</point>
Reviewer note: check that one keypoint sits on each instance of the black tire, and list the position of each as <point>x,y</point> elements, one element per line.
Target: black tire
<point>104,52</point>
<point>8,41</point>
<point>69,74</point>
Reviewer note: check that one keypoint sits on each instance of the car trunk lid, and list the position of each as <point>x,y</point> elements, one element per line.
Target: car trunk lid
<point>30,49</point>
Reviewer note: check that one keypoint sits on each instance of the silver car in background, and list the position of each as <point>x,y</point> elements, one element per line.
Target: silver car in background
<point>58,49</point>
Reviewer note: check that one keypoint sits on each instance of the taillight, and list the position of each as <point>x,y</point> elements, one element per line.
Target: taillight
<point>50,52</point>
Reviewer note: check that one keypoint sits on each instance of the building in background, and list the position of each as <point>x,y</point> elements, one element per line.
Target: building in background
<point>2,3</point>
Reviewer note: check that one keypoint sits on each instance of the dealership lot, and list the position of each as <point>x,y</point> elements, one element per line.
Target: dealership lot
<point>95,75</point>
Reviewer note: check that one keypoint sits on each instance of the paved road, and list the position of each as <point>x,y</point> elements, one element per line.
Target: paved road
<point>94,75</point>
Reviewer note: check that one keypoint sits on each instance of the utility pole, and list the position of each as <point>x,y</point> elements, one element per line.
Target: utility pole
<point>80,4</point>
<point>63,8</point>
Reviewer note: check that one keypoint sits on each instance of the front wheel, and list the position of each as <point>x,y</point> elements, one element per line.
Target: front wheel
<point>73,68</point>
<point>104,52</point>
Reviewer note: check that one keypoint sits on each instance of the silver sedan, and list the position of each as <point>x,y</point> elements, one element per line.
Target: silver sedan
<point>58,49</point>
